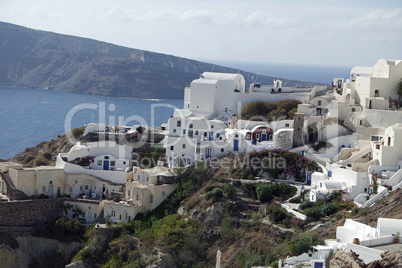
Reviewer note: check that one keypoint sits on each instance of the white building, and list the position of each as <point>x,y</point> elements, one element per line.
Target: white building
<point>203,129</point>
<point>106,160</point>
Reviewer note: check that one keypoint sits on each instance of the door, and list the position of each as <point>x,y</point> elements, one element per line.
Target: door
<point>208,153</point>
<point>76,189</point>
<point>370,104</point>
<point>236,145</point>
<point>105,164</point>
<point>58,191</point>
<point>211,136</point>
<point>263,136</point>
<point>50,191</point>
<point>89,219</point>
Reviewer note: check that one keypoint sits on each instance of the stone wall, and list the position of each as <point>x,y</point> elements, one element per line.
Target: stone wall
<point>30,213</point>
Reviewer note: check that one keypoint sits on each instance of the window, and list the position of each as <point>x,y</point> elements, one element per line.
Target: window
<point>178,123</point>
<point>353,109</point>
<point>212,126</point>
<point>95,215</point>
<point>120,217</point>
<point>190,133</point>
<point>99,162</point>
<point>184,146</point>
<point>196,132</point>
<point>163,193</point>
<point>248,136</point>
<point>151,198</point>
<point>287,125</point>
<point>222,150</point>
<point>81,188</point>
<point>138,197</point>
<point>184,132</point>
<point>124,162</point>
<point>106,157</point>
<point>147,179</point>
<point>89,207</point>
<point>174,130</point>
<point>86,187</point>
<point>205,134</point>
<point>112,163</point>
<point>191,126</point>
<point>50,182</point>
<point>319,102</point>
<point>83,214</point>
<point>70,190</point>
<point>171,148</point>
<point>139,177</point>
<point>236,135</point>
<point>44,189</point>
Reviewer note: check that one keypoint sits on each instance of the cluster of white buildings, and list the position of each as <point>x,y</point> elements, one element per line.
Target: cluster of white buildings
<point>206,126</point>
<point>365,104</point>
<point>366,241</point>
<point>358,116</point>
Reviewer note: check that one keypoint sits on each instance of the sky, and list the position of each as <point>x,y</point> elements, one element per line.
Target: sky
<point>322,32</point>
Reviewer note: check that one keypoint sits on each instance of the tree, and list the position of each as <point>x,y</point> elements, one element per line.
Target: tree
<point>399,87</point>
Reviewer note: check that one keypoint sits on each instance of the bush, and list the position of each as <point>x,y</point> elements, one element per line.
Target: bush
<point>229,190</point>
<point>231,207</point>
<point>47,155</point>
<point>264,193</point>
<point>215,195</point>
<point>40,161</point>
<point>77,132</point>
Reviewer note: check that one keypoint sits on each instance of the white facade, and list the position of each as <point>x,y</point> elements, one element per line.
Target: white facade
<point>106,160</point>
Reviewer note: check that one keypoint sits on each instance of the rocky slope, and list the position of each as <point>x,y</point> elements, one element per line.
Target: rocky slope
<point>32,58</point>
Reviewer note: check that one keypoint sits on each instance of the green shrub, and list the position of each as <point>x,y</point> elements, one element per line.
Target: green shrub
<point>229,190</point>
<point>231,207</point>
<point>215,195</point>
<point>28,159</point>
<point>40,161</point>
<point>77,132</point>
<point>47,155</point>
<point>264,193</point>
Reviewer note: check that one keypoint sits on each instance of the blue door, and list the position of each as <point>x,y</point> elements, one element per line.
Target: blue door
<point>318,265</point>
<point>263,136</point>
<point>308,178</point>
<point>105,165</point>
<point>236,145</point>
<point>208,153</point>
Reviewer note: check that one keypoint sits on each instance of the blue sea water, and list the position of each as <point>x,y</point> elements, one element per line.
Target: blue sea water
<point>30,116</point>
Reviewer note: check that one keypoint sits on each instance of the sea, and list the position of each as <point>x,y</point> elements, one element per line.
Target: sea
<point>29,116</point>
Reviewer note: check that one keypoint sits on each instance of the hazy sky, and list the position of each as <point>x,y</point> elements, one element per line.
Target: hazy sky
<point>331,32</point>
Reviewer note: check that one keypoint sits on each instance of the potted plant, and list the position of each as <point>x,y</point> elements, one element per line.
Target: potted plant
<point>397,235</point>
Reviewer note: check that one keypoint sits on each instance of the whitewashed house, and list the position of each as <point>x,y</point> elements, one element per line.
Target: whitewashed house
<point>106,160</point>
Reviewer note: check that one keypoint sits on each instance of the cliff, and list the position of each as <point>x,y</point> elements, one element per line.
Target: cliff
<point>39,59</point>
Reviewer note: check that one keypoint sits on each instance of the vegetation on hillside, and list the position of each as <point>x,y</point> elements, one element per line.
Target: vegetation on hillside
<point>283,164</point>
<point>269,111</point>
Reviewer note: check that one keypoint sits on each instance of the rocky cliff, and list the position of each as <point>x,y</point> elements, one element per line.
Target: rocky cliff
<point>32,58</point>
